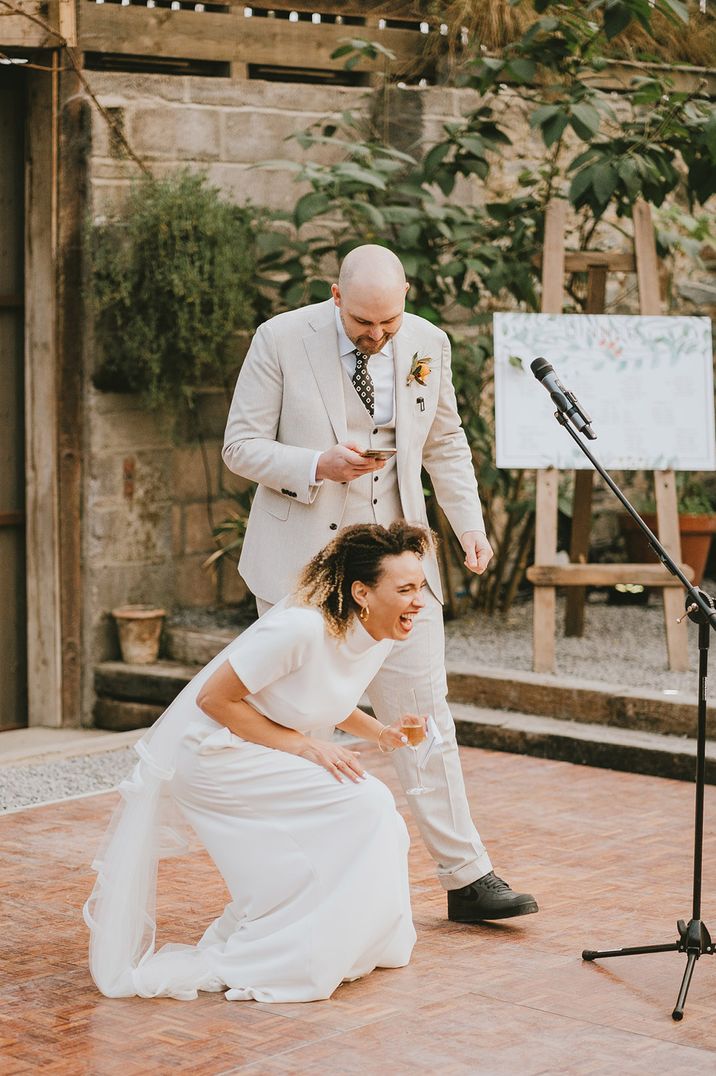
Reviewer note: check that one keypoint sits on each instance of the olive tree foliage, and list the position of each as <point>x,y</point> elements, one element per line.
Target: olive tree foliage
<point>466,256</point>
<point>173,278</point>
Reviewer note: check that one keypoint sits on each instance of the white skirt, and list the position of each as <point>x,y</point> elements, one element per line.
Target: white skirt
<point>317,872</point>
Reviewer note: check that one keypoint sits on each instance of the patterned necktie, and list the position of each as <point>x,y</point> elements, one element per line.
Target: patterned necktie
<point>363,382</point>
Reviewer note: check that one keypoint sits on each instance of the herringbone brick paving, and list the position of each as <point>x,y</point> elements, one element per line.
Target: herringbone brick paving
<point>607,854</point>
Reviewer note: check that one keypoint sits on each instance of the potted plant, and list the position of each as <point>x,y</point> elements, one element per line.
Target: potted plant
<point>697,523</point>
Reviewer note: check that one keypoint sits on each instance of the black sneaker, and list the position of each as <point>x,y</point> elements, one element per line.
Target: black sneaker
<point>488,898</point>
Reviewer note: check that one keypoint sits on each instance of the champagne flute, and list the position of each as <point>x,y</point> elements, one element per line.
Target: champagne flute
<point>414,727</point>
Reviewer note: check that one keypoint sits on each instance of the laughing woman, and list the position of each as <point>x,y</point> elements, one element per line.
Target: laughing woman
<point>312,849</point>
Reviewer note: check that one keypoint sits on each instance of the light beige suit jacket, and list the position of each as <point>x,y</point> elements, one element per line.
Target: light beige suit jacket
<point>289,403</point>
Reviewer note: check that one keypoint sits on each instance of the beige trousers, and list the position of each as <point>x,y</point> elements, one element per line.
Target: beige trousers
<point>442,816</point>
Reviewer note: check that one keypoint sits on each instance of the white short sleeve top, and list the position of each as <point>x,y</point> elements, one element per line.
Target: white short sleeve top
<point>300,675</point>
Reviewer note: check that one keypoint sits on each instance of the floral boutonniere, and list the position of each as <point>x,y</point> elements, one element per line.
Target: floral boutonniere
<point>419,369</point>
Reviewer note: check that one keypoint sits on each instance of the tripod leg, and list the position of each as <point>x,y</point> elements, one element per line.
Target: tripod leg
<point>678,1012</point>
<point>597,954</point>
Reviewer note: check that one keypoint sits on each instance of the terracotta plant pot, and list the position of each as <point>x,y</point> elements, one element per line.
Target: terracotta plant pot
<point>696,534</point>
<point>140,628</point>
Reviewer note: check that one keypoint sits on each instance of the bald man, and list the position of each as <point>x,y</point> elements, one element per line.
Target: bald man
<point>320,387</point>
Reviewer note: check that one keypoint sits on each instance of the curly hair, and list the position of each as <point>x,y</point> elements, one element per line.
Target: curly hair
<point>356,554</point>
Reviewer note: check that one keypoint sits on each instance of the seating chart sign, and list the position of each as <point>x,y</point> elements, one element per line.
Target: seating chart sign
<point>646,382</point>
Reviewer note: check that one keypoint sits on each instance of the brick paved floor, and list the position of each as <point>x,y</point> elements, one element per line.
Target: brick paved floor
<point>608,855</point>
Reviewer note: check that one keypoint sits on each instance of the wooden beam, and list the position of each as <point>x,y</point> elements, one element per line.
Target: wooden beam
<point>596,289</point>
<point>580,261</point>
<point>12,519</point>
<point>386,9</point>
<point>71,209</point>
<point>545,598</point>
<point>677,644</point>
<point>667,524</point>
<point>579,550</point>
<point>616,261</point>
<point>646,260</point>
<point>19,32</point>
<point>603,575</point>
<point>582,500</point>
<point>553,258</point>
<point>232,37</point>
<point>64,17</point>
<point>44,664</point>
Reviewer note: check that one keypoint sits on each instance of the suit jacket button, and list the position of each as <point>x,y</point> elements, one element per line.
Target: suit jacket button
<point>334,526</point>
<point>375,501</point>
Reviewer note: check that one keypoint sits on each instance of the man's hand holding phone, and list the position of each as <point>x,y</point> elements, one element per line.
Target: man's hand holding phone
<point>379,453</point>
<point>344,463</point>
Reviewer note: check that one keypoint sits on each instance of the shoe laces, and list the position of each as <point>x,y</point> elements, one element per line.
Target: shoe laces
<point>491,881</point>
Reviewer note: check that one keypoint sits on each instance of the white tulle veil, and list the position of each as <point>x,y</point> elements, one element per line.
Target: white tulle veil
<point>146,827</point>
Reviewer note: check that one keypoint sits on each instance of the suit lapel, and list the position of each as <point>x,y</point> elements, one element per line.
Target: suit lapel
<point>322,350</point>
<point>404,347</point>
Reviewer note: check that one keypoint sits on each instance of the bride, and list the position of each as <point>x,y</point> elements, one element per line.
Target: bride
<point>312,848</point>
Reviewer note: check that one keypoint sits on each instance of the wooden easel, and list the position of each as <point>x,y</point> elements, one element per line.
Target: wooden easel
<point>545,574</point>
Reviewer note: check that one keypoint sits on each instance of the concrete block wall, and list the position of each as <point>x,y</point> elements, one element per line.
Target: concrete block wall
<point>147,528</point>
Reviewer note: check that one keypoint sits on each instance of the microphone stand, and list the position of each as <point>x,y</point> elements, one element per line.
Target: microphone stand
<point>693,937</point>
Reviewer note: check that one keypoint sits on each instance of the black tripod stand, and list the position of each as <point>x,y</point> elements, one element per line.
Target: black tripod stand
<point>694,938</point>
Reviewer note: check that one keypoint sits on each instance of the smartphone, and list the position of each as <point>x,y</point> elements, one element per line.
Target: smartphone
<point>379,453</point>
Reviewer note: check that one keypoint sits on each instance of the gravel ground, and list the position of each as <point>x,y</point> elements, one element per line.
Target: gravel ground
<point>621,645</point>
<point>23,786</point>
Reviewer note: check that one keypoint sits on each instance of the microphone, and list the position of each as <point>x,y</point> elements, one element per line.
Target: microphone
<point>564,400</point>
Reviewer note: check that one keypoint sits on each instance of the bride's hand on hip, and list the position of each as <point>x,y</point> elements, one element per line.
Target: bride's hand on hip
<point>339,761</point>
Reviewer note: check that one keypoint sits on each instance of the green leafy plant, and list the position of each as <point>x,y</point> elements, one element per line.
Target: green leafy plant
<point>229,534</point>
<point>697,493</point>
<point>173,279</point>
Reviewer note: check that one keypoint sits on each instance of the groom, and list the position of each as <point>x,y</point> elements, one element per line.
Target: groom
<point>320,386</point>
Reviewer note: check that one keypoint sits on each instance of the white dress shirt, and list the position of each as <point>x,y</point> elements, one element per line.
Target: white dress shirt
<point>380,368</point>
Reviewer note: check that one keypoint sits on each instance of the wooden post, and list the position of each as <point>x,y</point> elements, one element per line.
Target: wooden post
<point>667,515</point>
<point>583,481</point>
<point>70,318</point>
<point>545,598</point>
<point>545,601</point>
<point>44,632</point>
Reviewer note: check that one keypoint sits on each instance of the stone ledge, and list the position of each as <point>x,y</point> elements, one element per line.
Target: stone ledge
<point>603,746</point>
<point>157,683</point>
<point>120,715</point>
<point>573,700</point>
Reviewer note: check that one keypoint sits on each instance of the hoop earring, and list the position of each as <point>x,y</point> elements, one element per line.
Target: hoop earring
<point>364,613</point>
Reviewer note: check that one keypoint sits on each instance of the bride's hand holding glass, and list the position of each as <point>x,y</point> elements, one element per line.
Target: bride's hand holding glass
<point>392,736</point>
<point>414,726</point>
